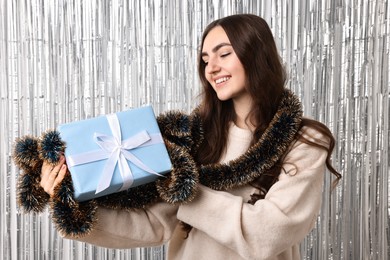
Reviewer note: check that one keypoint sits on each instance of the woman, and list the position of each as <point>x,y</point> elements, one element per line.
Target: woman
<point>260,164</point>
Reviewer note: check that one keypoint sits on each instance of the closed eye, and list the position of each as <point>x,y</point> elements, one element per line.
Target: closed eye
<point>205,58</point>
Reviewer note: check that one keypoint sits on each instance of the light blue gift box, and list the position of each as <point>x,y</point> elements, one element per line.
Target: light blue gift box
<point>81,139</point>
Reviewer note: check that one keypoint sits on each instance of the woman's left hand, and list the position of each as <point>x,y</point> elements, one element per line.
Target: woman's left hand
<point>52,176</point>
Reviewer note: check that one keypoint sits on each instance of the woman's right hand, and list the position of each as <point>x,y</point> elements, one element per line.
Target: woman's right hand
<point>51,175</point>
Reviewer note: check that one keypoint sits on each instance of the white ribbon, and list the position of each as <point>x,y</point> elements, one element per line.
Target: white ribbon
<point>116,151</point>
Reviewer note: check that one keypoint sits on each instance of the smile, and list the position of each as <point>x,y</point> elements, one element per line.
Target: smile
<point>220,80</point>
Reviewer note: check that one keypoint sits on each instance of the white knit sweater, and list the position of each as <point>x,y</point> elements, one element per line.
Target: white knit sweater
<point>225,226</point>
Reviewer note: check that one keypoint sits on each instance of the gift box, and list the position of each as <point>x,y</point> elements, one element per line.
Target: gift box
<point>112,153</point>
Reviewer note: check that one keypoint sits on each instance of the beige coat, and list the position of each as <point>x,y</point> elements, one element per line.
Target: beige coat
<point>225,226</point>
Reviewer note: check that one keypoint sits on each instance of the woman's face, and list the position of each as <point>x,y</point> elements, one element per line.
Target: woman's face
<point>223,70</point>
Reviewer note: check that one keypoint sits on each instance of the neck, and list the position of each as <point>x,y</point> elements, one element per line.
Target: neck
<point>242,108</point>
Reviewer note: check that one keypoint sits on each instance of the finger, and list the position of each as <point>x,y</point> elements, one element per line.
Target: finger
<point>46,169</point>
<point>45,173</point>
<point>49,174</point>
<point>46,166</point>
<point>56,169</point>
<point>60,176</point>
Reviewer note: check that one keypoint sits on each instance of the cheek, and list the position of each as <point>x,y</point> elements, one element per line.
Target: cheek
<point>208,77</point>
<point>241,72</point>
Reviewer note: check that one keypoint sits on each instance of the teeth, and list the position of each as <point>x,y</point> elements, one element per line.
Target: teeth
<point>222,80</point>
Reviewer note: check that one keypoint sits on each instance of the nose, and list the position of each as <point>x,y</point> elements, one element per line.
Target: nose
<point>212,66</point>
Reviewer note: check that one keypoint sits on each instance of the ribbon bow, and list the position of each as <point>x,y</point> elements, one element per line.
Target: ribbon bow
<point>117,151</point>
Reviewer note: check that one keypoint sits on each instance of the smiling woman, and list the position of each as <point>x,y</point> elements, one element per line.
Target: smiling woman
<point>68,60</point>
<point>247,171</point>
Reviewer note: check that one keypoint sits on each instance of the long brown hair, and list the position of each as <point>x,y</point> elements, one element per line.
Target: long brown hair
<point>254,45</point>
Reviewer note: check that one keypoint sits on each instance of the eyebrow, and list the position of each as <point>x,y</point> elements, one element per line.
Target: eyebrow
<point>216,48</point>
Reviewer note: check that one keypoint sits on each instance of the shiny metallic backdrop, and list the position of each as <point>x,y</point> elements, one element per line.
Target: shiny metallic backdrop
<point>67,60</point>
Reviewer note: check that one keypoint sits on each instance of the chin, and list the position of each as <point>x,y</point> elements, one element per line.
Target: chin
<point>224,98</point>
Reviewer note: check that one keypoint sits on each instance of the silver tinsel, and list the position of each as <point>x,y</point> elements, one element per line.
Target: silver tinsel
<point>67,60</point>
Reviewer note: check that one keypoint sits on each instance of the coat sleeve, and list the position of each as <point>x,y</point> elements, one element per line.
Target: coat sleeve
<point>271,225</point>
<point>133,228</point>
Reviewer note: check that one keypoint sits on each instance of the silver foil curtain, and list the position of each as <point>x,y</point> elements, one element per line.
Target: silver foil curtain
<point>67,60</point>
